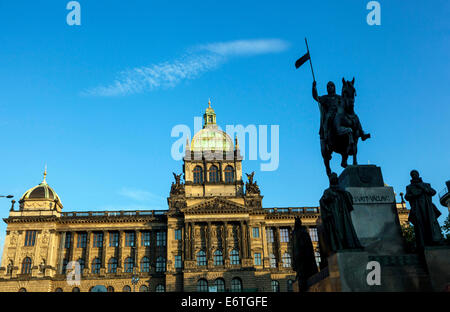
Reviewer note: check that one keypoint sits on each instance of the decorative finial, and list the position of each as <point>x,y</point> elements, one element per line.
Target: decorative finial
<point>236,143</point>
<point>45,174</point>
<point>209,103</point>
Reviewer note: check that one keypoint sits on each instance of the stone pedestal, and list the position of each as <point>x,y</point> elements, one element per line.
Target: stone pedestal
<point>438,265</point>
<point>375,215</point>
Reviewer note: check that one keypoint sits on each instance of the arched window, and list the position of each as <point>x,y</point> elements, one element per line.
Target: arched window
<point>236,284</point>
<point>273,261</point>
<point>143,288</point>
<point>145,264</point>
<point>218,257</point>
<point>290,285</point>
<point>275,286</point>
<point>112,265</point>
<point>126,288</point>
<point>286,259</point>
<point>22,290</point>
<point>198,174</point>
<point>26,266</point>
<point>110,289</point>
<point>229,174</point>
<point>58,290</point>
<point>234,257</point>
<point>201,258</point>
<point>96,264</point>
<point>220,284</point>
<point>202,285</point>
<point>75,289</point>
<point>160,288</point>
<point>160,264</point>
<point>213,174</point>
<point>129,264</point>
<point>81,262</point>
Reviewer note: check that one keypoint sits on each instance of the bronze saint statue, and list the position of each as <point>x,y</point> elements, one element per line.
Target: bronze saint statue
<point>304,261</point>
<point>423,214</point>
<point>340,127</point>
<point>335,207</point>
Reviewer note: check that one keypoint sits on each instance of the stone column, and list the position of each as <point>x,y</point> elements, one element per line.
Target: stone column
<point>208,245</point>
<point>72,246</point>
<point>225,241</point>
<point>105,234</point>
<point>277,246</point>
<point>191,240</point>
<point>186,241</point>
<point>87,260</point>
<point>120,249</point>
<point>243,239</point>
<point>62,236</point>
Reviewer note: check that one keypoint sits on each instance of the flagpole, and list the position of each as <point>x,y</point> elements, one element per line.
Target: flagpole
<point>310,61</point>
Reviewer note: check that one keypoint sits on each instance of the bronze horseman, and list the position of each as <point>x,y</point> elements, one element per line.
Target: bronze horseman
<point>340,127</point>
<point>335,207</point>
<point>423,214</point>
<point>304,261</point>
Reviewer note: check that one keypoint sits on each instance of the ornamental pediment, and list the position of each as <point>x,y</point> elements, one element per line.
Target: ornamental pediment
<point>216,205</point>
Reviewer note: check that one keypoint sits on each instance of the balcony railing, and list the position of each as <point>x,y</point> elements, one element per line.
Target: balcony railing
<point>292,210</point>
<point>114,213</point>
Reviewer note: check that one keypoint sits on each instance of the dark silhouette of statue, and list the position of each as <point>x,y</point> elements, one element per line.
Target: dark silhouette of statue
<point>304,261</point>
<point>335,207</point>
<point>251,186</point>
<point>177,188</point>
<point>340,127</point>
<point>423,214</point>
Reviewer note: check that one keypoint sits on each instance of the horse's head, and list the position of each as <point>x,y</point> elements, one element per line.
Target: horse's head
<point>348,93</point>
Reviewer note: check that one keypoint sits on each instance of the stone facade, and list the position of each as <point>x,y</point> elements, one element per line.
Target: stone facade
<point>215,234</point>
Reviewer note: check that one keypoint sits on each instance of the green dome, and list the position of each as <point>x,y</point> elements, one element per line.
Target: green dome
<point>211,139</point>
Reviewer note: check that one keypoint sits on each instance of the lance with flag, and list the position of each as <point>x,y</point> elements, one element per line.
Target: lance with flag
<point>304,59</point>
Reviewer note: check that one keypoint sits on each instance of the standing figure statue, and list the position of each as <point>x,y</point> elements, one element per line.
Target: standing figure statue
<point>423,214</point>
<point>304,261</point>
<point>340,127</point>
<point>335,207</point>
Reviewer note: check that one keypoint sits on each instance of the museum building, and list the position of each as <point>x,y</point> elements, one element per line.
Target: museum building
<point>214,236</point>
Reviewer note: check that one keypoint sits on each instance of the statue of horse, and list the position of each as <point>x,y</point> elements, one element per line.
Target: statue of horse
<point>346,129</point>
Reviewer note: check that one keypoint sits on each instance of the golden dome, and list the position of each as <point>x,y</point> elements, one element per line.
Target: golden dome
<point>42,191</point>
<point>211,139</point>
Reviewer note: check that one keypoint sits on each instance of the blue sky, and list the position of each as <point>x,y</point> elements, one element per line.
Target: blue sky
<point>112,151</point>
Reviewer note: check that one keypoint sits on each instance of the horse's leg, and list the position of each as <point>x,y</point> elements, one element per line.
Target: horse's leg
<point>327,166</point>
<point>355,152</point>
<point>344,160</point>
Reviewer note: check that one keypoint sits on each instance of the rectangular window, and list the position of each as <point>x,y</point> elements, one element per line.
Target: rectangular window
<point>113,239</point>
<point>130,238</point>
<point>30,238</point>
<point>270,236</point>
<point>178,234</point>
<point>178,263</point>
<point>68,240</point>
<point>161,238</point>
<point>284,235</point>
<point>313,234</point>
<point>255,232</point>
<point>82,240</point>
<point>145,238</point>
<point>98,240</point>
<point>257,258</point>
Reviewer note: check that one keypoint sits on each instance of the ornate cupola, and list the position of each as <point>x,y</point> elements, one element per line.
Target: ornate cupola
<point>209,117</point>
<point>41,198</point>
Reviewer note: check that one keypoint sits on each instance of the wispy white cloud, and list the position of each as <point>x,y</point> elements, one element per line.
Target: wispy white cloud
<point>139,195</point>
<point>198,60</point>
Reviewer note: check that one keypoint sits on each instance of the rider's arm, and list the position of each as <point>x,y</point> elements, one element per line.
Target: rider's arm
<point>314,92</point>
